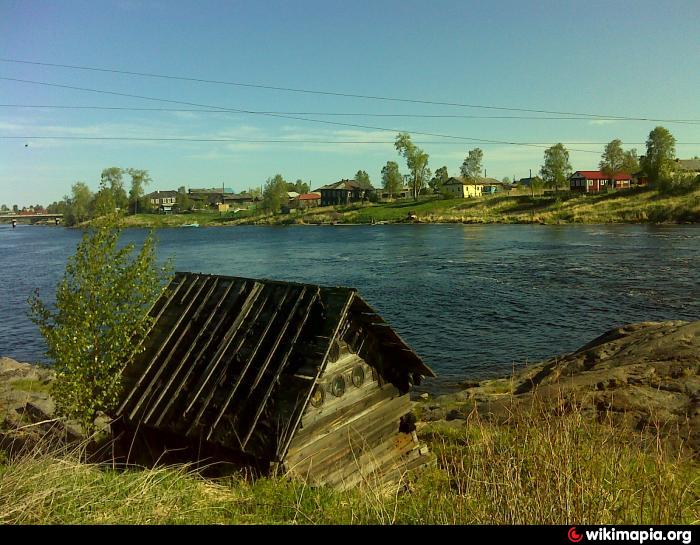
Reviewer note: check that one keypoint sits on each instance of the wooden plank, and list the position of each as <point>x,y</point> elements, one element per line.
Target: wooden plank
<point>164,389</point>
<point>283,362</point>
<point>294,421</point>
<point>369,465</point>
<point>314,423</point>
<point>170,298</point>
<point>249,361</point>
<point>228,337</point>
<point>212,335</point>
<point>340,447</point>
<point>374,416</point>
<point>149,367</point>
<point>159,370</point>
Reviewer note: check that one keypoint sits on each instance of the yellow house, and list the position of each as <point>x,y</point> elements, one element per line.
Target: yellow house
<point>463,188</point>
<point>223,207</point>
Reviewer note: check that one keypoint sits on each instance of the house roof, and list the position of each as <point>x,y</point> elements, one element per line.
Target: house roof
<point>233,361</point>
<point>688,164</point>
<point>598,175</point>
<point>454,180</point>
<point>348,185</point>
<point>309,196</point>
<point>162,194</point>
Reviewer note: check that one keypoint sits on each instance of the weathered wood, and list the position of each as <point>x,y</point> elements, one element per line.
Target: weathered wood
<point>299,409</point>
<point>231,364</point>
<point>180,389</point>
<point>147,389</point>
<point>230,334</point>
<point>281,365</point>
<point>320,458</point>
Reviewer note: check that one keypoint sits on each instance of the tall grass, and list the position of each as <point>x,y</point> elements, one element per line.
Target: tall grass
<point>538,467</point>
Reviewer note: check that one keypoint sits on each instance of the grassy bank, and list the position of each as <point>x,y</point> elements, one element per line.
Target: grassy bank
<point>538,468</point>
<point>627,206</point>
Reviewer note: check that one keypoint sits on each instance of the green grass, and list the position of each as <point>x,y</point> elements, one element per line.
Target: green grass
<point>29,385</point>
<point>637,205</point>
<point>626,206</point>
<point>536,468</point>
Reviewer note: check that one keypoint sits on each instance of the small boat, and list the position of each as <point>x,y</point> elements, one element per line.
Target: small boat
<point>190,225</point>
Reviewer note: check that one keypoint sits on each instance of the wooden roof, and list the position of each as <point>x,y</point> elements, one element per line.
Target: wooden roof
<point>233,361</point>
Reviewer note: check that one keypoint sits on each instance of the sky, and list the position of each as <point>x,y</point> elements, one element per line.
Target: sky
<point>614,58</point>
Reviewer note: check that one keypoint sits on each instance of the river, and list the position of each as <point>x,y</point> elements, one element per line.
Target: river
<point>472,300</point>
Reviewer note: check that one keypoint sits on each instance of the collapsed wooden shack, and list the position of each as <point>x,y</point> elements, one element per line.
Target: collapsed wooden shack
<point>300,378</point>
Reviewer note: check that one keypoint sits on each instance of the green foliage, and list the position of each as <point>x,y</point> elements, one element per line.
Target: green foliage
<point>612,158</point>
<point>112,179</point>
<point>99,320</point>
<point>439,179</point>
<point>362,177</point>
<point>416,160</point>
<point>392,180</point>
<point>274,194</point>
<point>471,167</point>
<point>139,179</point>
<point>78,208</point>
<point>615,160</point>
<point>556,169</point>
<point>630,162</point>
<point>300,187</point>
<point>658,161</point>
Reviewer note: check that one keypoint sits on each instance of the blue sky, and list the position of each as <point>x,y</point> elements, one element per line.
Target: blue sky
<point>633,59</point>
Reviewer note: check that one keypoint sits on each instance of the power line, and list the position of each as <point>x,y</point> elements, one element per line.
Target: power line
<point>287,141</point>
<point>296,118</point>
<point>338,94</point>
<point>348,114</point>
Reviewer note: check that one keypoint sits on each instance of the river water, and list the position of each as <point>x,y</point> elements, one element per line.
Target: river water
<point>472,300</point>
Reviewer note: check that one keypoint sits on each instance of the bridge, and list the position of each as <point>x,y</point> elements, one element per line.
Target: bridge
<point>31,218</point>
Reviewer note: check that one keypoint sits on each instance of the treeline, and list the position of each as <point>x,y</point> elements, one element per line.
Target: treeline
<point>82,204</point>
<point>657,165</point>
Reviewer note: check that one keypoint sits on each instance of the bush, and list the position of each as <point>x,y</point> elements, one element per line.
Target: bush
<point>99,320</point>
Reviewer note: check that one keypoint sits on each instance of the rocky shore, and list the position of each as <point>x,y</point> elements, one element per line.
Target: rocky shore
<point>640,376</point>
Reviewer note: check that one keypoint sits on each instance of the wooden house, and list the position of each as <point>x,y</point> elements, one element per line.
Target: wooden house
<point>297,378</point>
<point>345,192</point>
<point>458,186</point>
<point>594,181</point>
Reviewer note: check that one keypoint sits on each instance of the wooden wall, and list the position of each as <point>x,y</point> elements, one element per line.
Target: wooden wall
<point>356,436</point>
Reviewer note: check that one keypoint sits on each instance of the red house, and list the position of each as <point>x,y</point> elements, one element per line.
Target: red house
<point>592,181</point>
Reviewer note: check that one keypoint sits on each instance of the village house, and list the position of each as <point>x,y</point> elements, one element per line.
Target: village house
<point>296,379</point>
<point>687,166</point>
<point>163,201</point>
<point>593,181</point>
<point>345,192</point>
<point>307,200</point>
<point>457,186</point>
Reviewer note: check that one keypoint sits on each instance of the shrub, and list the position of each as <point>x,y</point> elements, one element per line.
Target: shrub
<point>99,320</point>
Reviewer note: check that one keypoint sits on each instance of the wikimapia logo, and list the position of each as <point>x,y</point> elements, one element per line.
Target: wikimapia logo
<point>636,536</point>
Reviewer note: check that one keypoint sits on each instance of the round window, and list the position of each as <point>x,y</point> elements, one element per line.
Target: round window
<point>317,397</point>
<point>358,376</point>
<point>338,386</point>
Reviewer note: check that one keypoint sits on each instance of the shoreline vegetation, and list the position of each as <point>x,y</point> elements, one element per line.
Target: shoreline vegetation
<point>609,434</point>
<point>637,205</point>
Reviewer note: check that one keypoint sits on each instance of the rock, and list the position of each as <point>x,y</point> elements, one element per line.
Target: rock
<point>639,376</point>
<point>424,396</point>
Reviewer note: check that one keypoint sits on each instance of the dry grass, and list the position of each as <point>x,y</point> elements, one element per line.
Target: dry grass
<point>536,468</point>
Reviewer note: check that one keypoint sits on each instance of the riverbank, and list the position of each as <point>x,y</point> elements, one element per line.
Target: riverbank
<point>605,435</point>
<point>639,205</point>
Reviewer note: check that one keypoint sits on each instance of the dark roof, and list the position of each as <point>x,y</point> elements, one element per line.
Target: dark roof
<point>599,175</point>
<point>233,361</point>
<point>688,164</point>
<point>348,185</point>
<point>452,180</point>
<point>162,194</point>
